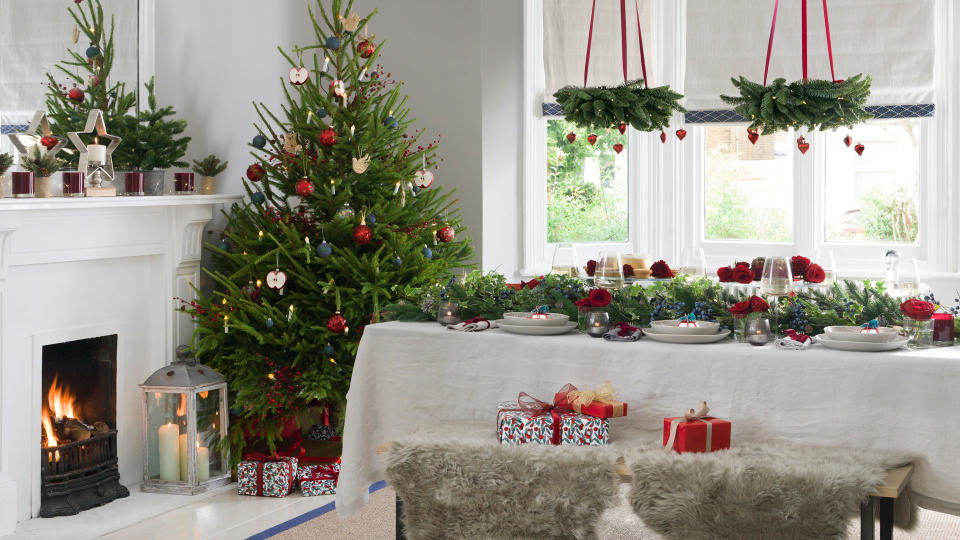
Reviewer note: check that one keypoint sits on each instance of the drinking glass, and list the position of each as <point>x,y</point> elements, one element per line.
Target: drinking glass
<point>776,281</point>
<point>609,273</point>
<point>565,260</point>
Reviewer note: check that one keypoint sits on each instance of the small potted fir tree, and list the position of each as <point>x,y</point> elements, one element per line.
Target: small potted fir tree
<point>208,168</point>
<point>153,142</point>
<point>42,164</point>
<point>6,160</point>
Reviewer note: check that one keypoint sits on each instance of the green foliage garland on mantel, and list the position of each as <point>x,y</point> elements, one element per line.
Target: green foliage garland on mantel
<point>644,109</point>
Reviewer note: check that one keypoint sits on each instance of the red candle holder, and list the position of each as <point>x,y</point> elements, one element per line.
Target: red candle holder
<point>73,183</point>
<point>943,335</point>
<point>22,183</point>
<point>133,183</point>
<point>183,183</point>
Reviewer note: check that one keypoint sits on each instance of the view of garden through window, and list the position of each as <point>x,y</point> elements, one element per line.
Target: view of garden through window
<point>586,185</point>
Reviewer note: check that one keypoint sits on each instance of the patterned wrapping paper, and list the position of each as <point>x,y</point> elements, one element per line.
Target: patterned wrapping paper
<point>518,427</point>
<point>311,487</point>
<point>276,477</point>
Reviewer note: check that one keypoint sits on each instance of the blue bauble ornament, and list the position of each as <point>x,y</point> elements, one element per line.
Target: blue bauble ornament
<point>397,261</point>
<point>322,113</point>
<point>224,245</point>
<point>93,52</point>
<point>394,125</point>
<point>324,249</point>
<point>268,323</point>
<point>328,349</point>
<point>427,253</point>
<point>371,219</point>
<point>258,197</point>
<point>416,189</point>
<point>389,121</point>
<point>333,43</point>
<point>259,141</point>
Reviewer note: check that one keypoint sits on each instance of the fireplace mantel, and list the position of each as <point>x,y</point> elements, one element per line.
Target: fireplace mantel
<point>78,267</point>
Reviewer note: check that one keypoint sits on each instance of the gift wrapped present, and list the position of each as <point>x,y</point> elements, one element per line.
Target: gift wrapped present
<point>531,421</point>
<point>695,431</point>
<point>319,478</point>
<point>601,402</point>
<point>267,476</point>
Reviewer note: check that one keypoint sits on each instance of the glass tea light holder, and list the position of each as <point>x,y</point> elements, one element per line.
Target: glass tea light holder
<point>757,331</point>
<point>943,330</point>
<point>73,183</point>
<point>183,183</point>
<point>449,313</point>
<point>133,184</point>
<point>22,183</point>
<point>598,323</point>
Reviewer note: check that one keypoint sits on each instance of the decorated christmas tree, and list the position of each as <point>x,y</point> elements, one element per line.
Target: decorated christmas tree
<point>342,219</point>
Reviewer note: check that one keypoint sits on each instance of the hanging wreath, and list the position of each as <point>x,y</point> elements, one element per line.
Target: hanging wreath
<point>644,109</point>
<point>815,104</point>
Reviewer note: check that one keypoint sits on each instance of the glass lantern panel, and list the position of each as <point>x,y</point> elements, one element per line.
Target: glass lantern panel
<point>166,425</point>
<point>209,462</point>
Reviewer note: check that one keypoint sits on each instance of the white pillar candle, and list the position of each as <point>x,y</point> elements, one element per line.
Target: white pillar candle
<point>203,463</point>
<point>169,452</point>
<point>184,458</point>
<point>97,153</point>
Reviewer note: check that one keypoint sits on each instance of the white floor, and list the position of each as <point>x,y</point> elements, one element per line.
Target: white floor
<point>221,514</point>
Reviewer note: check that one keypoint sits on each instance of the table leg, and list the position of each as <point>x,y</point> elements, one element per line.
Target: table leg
<point>866,519</point>
<point>886,518</point>
<point>399,525</point>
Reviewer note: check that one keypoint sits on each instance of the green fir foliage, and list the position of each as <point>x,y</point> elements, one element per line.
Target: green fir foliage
<point>40,162</point>
<point>6,161</point>
<point>645,109</point>
<point>155,141</point>
<point>209,166</point>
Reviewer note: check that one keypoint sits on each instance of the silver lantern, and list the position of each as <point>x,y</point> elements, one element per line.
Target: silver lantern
<point>184,420</point>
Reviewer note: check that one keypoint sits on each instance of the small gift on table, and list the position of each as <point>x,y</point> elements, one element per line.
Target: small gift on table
<point>264,475</point>
<point>695,431</point>
<point>319,478</point>
<point>601,403</point>
<point>532,421</point>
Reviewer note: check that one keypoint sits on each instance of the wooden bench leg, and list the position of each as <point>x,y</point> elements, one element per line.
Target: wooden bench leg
<point>399,525</point>
<point>866,519</point>
<point>886,518</point>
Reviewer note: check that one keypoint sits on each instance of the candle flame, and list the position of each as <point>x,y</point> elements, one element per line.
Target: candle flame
<point>182,408</point>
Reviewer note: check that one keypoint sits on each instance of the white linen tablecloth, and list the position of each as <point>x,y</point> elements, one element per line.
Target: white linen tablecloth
<point>409,376</point>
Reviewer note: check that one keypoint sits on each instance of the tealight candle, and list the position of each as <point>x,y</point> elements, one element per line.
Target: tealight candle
<point>97,153</point>
<point>448,314</point>
<point>943,331</point>
<point>22,182</point>
<point>73,183</point>
<point>133,182</point>
<point>598,323</point>
<point>758,332</point>
<point>183,183</point>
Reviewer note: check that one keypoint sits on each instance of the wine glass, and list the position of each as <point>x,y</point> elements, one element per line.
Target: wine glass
<point>609,273</point>
<point>776,281</point>
<point>565,260</point>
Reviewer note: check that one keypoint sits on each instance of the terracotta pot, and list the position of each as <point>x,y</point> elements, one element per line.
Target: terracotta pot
<point>208,185</point>
<point>41,187</point>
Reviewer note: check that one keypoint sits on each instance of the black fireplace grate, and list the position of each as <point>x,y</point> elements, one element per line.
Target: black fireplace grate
<point>79,475</point>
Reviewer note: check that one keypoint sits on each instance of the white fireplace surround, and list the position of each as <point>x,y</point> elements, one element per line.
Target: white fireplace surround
<point>79,268</point>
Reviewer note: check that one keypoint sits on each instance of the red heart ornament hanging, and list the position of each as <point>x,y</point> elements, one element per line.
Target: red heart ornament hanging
<point>663,137</point>
<point>571,137</point>
<point>803,145</point>
<point>618,148</point>
<point>859,148</point>
<point>681,133</point>
<point>622,127</point>
<point>848,140</point>
<point>753,136</point>
<point>592,139</point>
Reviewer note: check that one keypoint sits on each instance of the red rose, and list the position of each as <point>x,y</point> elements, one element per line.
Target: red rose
<point>660,269</point>
<point>627,270</point>
<point>582,304</point>
<point>742,274</point>
<point>815,274</point>
<point>591,267</point>
<point>599,297</point>
<point>799,266</point>
<point>740,308</point>
<point>530,284</point>
<point>725,274</point>
<point>917,309</point>
<point>741,264</point>
<point>758,305</point>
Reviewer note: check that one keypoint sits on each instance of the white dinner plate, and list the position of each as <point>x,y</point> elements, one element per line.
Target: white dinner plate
<point>522,318</point>
<point>852,333</point>
<point>862,346</point>
<point>657,335</point>
<point>673,327</point>
<point>535,330</point>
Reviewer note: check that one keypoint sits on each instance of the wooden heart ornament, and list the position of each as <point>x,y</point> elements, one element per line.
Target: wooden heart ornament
<point>753,136</point>
<point>276,279</point>
<point>859,148</point>
<point>618,148</point>
<point>848,140</point>
<point>592,139</point>
<point>423,179</point>
<point>681,133</point>
<point>299,76</point>
<point>802,145</point>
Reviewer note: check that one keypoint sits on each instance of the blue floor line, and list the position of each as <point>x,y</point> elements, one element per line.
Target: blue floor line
<point>307,516</point>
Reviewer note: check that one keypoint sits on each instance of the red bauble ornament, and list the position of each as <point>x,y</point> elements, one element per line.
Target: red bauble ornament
<point>251,291</point>
<point>304,188</point>
<point>75,94</point>
<point>618,148</point>
<point>49,142</point>
<point>362,235</point>
<point>859,148</point>
<point>753,136</point>
<point>328,137</point>
<point>366,48</point>
<point>622,127</point>
<point>681,133</point>
<point>663,137</point>
<point>446,234</point>
<point>255,172</point>
<point>336,323</point>
<point>571,137</point>
<point>592,139</point>
<point>848,140</point>
<point>803,145</point>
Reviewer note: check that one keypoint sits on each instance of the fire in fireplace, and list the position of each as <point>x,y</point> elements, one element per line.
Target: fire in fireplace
<point>78,455</point>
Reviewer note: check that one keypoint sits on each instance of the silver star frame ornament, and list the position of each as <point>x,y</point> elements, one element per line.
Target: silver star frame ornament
<point>94,172</point>
<point>39,128</point>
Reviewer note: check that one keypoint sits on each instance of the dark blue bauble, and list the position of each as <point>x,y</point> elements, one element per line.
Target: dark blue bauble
<point>259,141</point>
<point>224,245</point>
<point>93,52</point>
<point>371,219</point>
<point>324,249</point>
<point>390,121</point>
<point>427,252</point>
<point>333,43</point>
<point>258,197</point>
<point>416,189</point>
<point>397,261</point>
<point>395,125</point>
<point>322,113</point>
<point>328,349</point>
<point>268,323</point>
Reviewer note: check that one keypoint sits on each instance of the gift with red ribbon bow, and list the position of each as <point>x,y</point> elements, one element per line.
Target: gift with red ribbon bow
<point>319,479</point>
<point>600,402</point>
<point>696,431</point>
<point>531,420</point>
<point>265,475</point>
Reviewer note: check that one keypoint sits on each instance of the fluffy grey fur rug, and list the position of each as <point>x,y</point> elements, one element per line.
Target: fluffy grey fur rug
<point>464,490</point>
<point>759,491</point>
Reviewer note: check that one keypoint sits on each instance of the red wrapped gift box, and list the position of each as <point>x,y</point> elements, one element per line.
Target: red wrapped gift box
<point>600,404</point>
<point>696,432</point>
